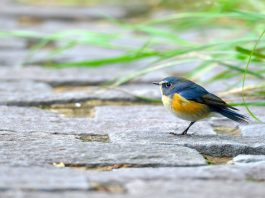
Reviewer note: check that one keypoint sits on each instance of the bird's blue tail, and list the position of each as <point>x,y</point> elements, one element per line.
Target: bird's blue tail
<point>232,115</point>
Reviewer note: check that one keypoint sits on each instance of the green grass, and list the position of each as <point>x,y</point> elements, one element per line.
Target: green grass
<point>252,53</point>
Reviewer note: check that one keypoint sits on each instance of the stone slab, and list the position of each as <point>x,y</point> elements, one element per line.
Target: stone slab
<point>42,179</point>
<point>29,120</point>
<point>31,93</point>
<point>228,146</point>
<point>139,129</point>
<point>24,86</point>
<point>71,13</point>
<point>12,43</point>
<point>244,159</point>
<point>68,76</point>
<point>13,58</point>
<point>214,189</point>
<point>157,189</point>
<point>135,182</point>
<point>146,118</point>
<point>256,129</point>
<point>42,149</point>
<point>125,120</point>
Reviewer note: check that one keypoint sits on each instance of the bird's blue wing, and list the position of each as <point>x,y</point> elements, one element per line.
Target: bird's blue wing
<point>191,91</point>
<point>198,94</point>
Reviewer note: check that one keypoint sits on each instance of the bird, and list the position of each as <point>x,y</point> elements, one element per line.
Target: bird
<point>190,101</point>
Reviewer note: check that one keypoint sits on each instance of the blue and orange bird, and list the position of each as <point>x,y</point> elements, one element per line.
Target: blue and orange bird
<point>190,101</point>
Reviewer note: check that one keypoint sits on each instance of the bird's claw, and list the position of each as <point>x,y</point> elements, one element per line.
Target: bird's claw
<point>180,134</point>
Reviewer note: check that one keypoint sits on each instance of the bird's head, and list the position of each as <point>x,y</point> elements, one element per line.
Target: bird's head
<point>169,84</point>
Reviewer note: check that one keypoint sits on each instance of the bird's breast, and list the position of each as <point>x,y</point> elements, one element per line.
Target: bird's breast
<point>185,109</point>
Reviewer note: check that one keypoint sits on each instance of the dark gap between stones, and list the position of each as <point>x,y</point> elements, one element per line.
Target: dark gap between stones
<point>98,167</point>
<point>110,167</point>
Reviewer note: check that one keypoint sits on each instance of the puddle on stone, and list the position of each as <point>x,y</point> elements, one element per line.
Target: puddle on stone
<point>65,89</point>
<point>107,187</point>
<point>217,160</point>
<point>253,179</point>
<point>94,138</point>
<point>226,127</point>
<point>93,167</point>
<point>28,21</point>
<point>85,109</point>
<point>72,109</point>
<point>225,130</point>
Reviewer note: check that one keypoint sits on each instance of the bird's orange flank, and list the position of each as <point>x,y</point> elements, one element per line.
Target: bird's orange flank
<point>184,106</point>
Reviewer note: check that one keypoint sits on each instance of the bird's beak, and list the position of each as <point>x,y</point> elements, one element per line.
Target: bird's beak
<point>159,83</point>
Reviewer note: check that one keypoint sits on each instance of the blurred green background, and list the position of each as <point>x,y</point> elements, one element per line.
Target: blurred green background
<point>230,37</point>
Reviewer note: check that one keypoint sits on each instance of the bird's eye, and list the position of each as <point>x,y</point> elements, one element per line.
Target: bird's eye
<point>167,85</point>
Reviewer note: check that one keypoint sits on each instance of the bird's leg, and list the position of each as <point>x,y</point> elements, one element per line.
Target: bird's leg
<point>186,130</point>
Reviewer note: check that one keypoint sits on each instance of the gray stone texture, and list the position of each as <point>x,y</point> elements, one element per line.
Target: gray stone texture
<point>139,127</point>
<point>71,13</point>
<point>125,121</point>
<point>68,76</point>
<point>243,159</point>
<point>255,129</point>
<point>42,149</point>
<point>135,182</point>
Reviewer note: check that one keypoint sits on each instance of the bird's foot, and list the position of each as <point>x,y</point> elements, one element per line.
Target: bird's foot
<point>184,132</point>
<point>172,133</point>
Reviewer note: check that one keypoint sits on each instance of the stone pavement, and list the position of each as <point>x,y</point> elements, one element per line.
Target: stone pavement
<point>64,135</point>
